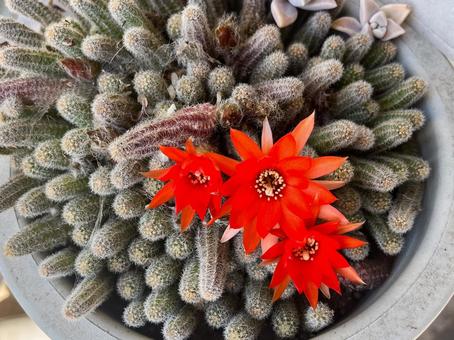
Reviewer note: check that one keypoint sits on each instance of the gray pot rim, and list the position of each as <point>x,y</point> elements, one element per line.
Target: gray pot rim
<point>422,281</point>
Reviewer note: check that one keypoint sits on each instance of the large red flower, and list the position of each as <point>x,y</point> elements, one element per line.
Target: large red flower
<point>194,181</point>
<point>273,184</point>
<point>312,260</point>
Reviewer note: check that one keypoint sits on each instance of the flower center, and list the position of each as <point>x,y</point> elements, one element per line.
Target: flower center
<point>269,184</point>
<point>198,178</point>
<point>307,252</point>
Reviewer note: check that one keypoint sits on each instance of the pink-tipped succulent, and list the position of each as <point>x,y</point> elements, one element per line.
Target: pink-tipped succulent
<point>380,22</point>
<point>285,12</point>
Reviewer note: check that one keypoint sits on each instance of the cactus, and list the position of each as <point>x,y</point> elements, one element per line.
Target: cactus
<point>405,207</point>
<point>285,320</point>
<point>41,235</point>
<point>162,272</point>
<point>320,77</point>
<point>360,253</point>
<point>129,204</point>
<point>119,263</point>
<point>161,304</point>
<point>131,284</point>
<point>18,34</point>
<point>181,325</point>
<point>297,57</point>
<point>318,318</point>
<point>49,154</point>
<point>258,299</point>
<point>34,203</point>
<point>314,31</point>
<point>376,202</point>
<point>82,209</point>
<point>82,233</point>
<point>219,312</point>
<point>349,200</point>
<point>388,241</point>
<point>403,95</point>
<point>134,314</point>
<point>141,251</point>
<point>392,133</point>
<point>242,326</point>
<point>34,10</point>
<point>88,295</point>
<point>87,264</point>
<point>32,169</point>
<point>156,224</point>
<point>381,53</point>
<point>58,265</point>
<point>335,136</point>
<point>180,245</point>
<point>113,237</point>
<point>357,47</point>
<point>75,109</point>
<point>66,187</point>
<point>374,175</point>
<point>15,188</point>
<point>66,36</point>
<point>333,48</point>
<point>189,283</point>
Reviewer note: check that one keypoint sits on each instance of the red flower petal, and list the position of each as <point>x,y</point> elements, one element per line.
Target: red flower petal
<point>187,215</point>
<point>251,238</point>
<point>312,294</point>
<point>349,242</point>
<point>268,216</point>
<point>162,196</point>
<point>330,185</point>
<point>329,213</point>
<point>267,137</point>
<point>190,147</point>
<point>350,274</point>
<point>343,229</point>
<point>322,166</point>
<point>279,274</point>
<point>156,174</point>
<point>274,251</point>
<point>279,290</point>
<point>327,228</point>
<point>174,154</point>
<point>226,164</point>
<point>296,164</point>
<point>323,195</point>
<point>284,148</point>
<point>302,132</point>
<point>295,201</point>
<point>245,146</point>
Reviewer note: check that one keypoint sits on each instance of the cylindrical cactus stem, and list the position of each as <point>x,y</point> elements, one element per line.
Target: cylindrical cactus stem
<point>405,208</point>
<point>41,235</point>
<point>34,203</point>
<point>66,37</point>
<point>173,27</point>
<point>252,16</point>
<point>50,155</point>
<point>104,49</point>
<point>213,257</point>
<point>127,14</point>
<point>87,264</point>
<point>156,224</point>
<point>245,96</point>
<point>365,139</point>
<point>195,27</point>
<point>190,90</point>
<point>131,284</point>
<point>385,77</point>
<point>227,37</point>
<point>18,34</point>
<point>344,173</point>
<point>98,15</point>
<point>221,80</point>
<point>297,56</point>
<point>127,173</point>
<point>119,263</point>
<point>242,326</point>
<point>14,188</point>
<point>258,299</point>
<point>364,113</point>
<point>285,319</point>
<point>199,69</point>
<point>198,121</point>
<point>180,245</point>
<point>271,67</point>
<point>358,253</point>
<point>381,53</point>
<point>264,41</point>
<point>113,237</point>
<point>350,98</point>
<point>162,272</point>
<point>31,169</point>
<point>373,272</point>
<point>161,304</point>
<point>66,187</point>
<point>388,241</point>
<point>357,47</point>
<point>403,95</point>
<point>88,295</point>
<point>373,175</point>
<point>418,168</point>
<point>256,272</point>
<point>230,114</point>
<point>83,209</point>
<point>219,312</point>
<point>333,48</point>
<point>166,8</point>
<point>134,314</point>
<point>316,319</point>
<point>352,73</point>
<point>81,234</point>
<point>42,91</point>
<point>111,83</point>
<point>314,31</point>
<point>150,86</point>
<point>414,116</point>
<point>100,183</point>
<point>31,60</point>
<point>337,135</point>
<point>114,110</point>
<point>282,91</point>
<point>59,264</point>
<point>320,77</point>
<point>27,133</point>
<point>392,133</point>
<point>235,282</point>
<point>181,325</point>
<point>348,200</point>
<point>34,10</point>
<point>76,143</point>
<point>376,202</point>
<point>141,251</point>
<point>75,109</point>
<point>188,288</point>
<point>129,204</point>
<point>398,166</point>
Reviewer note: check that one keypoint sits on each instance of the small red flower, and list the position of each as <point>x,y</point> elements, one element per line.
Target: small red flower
<point>194,181</point>
<point>273,185</point>
<point>312,260</point>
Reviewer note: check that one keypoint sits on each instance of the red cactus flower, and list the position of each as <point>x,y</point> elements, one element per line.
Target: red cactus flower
<point>312,260</point>
<point>273,184</point>
<point>194,181</point>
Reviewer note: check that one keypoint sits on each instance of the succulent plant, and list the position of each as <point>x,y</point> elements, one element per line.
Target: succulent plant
<point>87,101</point>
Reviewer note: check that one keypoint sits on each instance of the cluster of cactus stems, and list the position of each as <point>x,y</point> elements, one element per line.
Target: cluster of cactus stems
<point>87,100</point>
